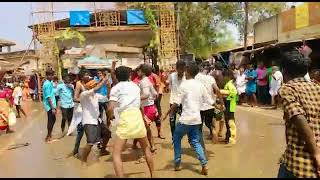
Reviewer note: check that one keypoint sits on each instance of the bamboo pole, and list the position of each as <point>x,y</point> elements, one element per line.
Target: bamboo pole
<point>246,24</point>
<point>95,13</point>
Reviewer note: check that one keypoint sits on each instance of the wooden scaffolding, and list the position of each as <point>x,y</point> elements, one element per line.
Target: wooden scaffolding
<point>166,20</point>
<point>43,26</point>
<point>168,50</point>
<point>168,42</point>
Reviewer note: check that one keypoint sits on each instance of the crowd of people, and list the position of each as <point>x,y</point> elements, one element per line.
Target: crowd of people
<point>132,100</point>
<point>126,102</point>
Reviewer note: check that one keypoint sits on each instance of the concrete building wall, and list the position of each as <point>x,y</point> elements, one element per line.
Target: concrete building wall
<point>266,31</point>
<point>125,46</point>
<point>298,34</point>
<point>283,27</point>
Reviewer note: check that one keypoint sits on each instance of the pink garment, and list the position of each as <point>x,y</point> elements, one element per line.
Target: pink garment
<point>3,94</point>
<point>151,112</point>
<point>152,79</point>
<point>9,94</point>
<point>262,77</point>
<point>136,80</point>
<point>6,93</point>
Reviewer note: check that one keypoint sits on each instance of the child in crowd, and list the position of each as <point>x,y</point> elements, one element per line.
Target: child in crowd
<point>17,95</point>
<point>230,101</point>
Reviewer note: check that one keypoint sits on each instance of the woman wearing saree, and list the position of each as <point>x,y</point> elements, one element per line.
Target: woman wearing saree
<point>5,105</point>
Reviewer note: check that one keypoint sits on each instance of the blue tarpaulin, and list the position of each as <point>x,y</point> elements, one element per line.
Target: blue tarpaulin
<point>135,17</point>
<point>79,18</point>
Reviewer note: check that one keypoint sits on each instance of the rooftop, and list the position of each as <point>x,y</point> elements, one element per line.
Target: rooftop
<point>103,20</point>
<point>4,42</point>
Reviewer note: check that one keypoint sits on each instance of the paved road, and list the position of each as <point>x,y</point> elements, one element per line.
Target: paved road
<point>260,143</point>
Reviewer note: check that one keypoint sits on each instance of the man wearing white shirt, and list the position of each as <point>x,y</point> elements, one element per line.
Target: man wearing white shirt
<point>207,110</point>
<point>191,95</point>
<point>174,82</point>
<point>90,115</point>
<point>275,85</point>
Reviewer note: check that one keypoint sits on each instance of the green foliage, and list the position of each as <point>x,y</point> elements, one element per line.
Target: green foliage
<point>69,34</point>
<point>224,39</point>
<point>234,13</point>
<point>201,29</point>
<point>196,31</point>
<point>151,19</point>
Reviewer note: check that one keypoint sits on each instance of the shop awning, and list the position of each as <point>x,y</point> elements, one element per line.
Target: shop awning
<point>93,62</point>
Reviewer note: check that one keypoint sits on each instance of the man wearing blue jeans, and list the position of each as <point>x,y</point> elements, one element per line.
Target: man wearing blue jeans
<point>174,82</point>
<point>191,95</point>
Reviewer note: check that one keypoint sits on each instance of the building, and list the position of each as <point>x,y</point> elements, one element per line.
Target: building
<point>25,60</point>
<point>286,29</point>
<point>109,36</point>
<point>6,43</point>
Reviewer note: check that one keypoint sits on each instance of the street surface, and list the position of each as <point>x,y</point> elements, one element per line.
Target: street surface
<point>260,143</point>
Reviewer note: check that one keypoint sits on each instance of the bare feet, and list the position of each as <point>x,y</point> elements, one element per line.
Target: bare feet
<point>9,131</point>
<point>204,170</point>
<point>153,150</point>
<point>214,139</point>
<point>76,155</point>
<point>177,167</point>
<point>159,136</point>
<point>69,155</point>
<point>48,140</point>
<point>62,135</point>
<point>104,153</point>
<point>83,161</point>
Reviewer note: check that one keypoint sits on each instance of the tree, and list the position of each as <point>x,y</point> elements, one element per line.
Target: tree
<point>223,39</point>
<point>233,12</point>
<point>197,32</point>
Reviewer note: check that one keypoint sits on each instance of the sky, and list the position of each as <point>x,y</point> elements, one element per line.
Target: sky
<point>15,17</point>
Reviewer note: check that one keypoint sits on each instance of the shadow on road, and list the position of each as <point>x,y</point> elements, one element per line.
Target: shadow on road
<point>184,165</point>
<point>187,151</point>
<point>276,124</point>
<point>127,175</point>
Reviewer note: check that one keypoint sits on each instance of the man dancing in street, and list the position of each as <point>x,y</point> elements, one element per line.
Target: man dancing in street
<point>191,94</point>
